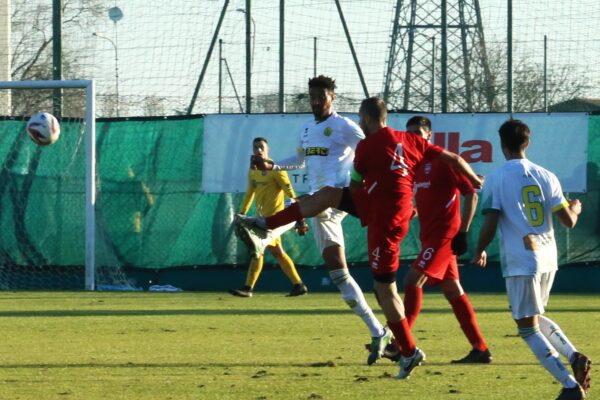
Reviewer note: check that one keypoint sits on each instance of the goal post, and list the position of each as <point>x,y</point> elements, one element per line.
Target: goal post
<point>90,153</point>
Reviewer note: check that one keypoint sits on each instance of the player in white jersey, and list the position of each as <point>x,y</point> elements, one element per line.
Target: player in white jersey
<point>520,198</point>
<point>326,148</point>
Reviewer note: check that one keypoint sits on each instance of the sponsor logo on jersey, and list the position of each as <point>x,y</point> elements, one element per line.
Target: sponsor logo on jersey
<point>423,185</point>
<point>327,131</point>
<point>427,168</point>
<point>316,151</point>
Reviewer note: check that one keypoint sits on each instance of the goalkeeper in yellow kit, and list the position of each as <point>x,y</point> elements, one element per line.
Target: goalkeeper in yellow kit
<point>269,188</point>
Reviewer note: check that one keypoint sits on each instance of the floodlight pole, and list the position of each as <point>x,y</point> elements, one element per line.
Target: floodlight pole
<point>114,45</point>
<point>354,57</point>
<point>207,59</point>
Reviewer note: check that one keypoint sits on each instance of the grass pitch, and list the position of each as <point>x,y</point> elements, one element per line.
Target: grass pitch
<point>86,345</point>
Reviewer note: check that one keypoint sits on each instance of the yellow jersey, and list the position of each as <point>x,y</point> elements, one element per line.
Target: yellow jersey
<point>269,187</point>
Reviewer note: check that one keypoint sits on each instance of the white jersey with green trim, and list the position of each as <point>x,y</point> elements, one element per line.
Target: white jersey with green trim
<point>326,149</point>
<point>525,195</point>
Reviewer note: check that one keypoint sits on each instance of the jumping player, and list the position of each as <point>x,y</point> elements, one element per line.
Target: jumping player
<point>326,148</point>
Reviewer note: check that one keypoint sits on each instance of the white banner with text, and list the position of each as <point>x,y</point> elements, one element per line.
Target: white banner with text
<point>558,142</point>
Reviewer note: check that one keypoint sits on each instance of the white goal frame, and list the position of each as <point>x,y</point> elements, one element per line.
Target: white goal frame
<point>90,171</point>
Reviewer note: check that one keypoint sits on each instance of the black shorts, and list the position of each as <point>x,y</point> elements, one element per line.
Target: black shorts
<point>346,203</point>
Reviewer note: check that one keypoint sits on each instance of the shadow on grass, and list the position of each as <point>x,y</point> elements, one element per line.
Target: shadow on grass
<point>207,366</point>
<point>242,312</point>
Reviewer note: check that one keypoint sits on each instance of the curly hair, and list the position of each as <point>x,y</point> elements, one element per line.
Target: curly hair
<point>322,81</point>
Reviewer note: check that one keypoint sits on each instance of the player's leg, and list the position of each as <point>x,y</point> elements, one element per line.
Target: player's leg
<point>257,239</point>
<point>384,254</point>
<point>463,310</point>
<point>288,267</point>
<point>465,314</point>
<point>254,269</point>
<point>580,363</point>
<point>431,264</point>
<point>327,230</point>
<point>414,280</point>
<point>304,207</point>
<point>393,309</point>
<point>525,298</point>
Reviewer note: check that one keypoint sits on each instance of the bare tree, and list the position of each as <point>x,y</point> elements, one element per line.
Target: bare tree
<point>31,25</point>
<point>563,83</point>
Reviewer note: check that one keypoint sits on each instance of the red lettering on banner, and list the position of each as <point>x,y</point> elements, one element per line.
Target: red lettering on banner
<point>472,150</point>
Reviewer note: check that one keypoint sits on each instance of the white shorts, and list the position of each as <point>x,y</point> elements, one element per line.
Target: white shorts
<point>327,228</point>
<point>528,295</point>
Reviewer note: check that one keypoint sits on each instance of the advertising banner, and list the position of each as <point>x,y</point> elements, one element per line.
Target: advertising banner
<point>558,142</point>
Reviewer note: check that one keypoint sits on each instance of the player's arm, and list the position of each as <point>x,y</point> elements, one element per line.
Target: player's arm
<point>248,197</point>
<point>356,183</point>
<point>352,134</point>
<point>568,214</point>
<point>462,167</point>
<point>356,174</point>
<point>283,181</point>
<point>289,164</point>
<point>468,211</point>
<point>486,235</point>
<point>459,242</point>
<point>357,189</point>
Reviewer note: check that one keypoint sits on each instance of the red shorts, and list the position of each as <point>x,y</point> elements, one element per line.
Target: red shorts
<point>436,260</point>
<point>384,246</point>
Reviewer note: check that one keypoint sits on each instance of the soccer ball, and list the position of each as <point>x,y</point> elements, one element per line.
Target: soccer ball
<point>43,128</point>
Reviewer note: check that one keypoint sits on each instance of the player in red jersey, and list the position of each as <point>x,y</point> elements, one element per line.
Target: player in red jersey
<point>385,164</point>
<point>443,236</point>
<point>357,201</point>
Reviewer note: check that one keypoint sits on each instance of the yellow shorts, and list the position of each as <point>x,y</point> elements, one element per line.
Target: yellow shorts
<point>275,242</point>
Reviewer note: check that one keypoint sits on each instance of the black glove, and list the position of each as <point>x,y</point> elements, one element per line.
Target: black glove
<point>459,243</point>
<point>301,227</point>
<point>257,162</point>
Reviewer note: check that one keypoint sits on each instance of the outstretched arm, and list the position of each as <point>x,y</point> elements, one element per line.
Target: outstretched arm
<point>462,167</point>
<point>288,164</point>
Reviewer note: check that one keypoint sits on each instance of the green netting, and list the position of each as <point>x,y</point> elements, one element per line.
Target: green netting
<point>151,212</point>
<point>42,197</point>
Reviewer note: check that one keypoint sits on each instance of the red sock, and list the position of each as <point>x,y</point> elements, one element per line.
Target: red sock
<point>413,296</point>
<point>285,216</point>
<point>466,317</point>
<point>402,333</point>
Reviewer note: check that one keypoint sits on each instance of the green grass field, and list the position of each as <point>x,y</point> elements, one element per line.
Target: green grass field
<point>85,345</point>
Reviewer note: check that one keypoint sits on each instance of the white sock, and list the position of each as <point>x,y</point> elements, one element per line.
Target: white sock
<point>547,355</point>
<point>556,337</point>
<point>355,298</point>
